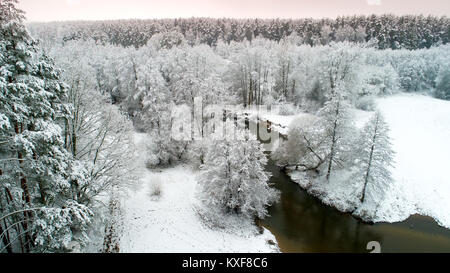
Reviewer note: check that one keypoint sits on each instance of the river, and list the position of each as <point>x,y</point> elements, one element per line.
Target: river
<point>302,223</point>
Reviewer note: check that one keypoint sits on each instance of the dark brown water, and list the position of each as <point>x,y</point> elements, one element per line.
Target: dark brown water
<point>301,223</point>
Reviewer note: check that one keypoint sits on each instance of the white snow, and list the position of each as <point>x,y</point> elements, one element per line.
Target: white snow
<point>170,224</point>
<point>420,134</point>
<point>360,117</point>
<point>280,123</point>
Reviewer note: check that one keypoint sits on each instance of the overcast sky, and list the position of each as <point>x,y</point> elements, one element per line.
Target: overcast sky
<point>59,10</point>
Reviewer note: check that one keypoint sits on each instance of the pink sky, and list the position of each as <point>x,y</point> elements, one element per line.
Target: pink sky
<point>59,10</point>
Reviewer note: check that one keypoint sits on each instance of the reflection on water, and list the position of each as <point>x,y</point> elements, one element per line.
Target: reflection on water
<point>301,223</point>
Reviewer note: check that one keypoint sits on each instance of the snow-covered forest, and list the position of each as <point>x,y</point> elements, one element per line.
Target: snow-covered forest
<point>390,31</point>
<point>88,157</point>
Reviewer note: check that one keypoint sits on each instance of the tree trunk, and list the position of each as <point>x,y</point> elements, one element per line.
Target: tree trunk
<point>5,238</point>
<point>8,199</point>
<point>333,142</point>
<point>26,193</point>
<point>66,133</point>
<point>369,165</point>
<point>23,179</point>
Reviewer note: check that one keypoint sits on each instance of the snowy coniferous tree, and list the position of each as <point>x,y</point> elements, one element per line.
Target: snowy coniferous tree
<point>36,171</point>
<point>338,130</point>
<point>375,156</point>
<point>233,178</point>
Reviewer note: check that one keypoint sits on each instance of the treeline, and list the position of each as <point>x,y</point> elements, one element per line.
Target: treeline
<point>388,31</point>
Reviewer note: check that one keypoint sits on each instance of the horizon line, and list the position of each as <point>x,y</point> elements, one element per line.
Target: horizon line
<point>237,18</point>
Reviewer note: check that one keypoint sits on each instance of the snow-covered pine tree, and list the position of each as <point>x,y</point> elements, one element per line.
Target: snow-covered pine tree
<point>375,156</point>
<point>233,178</point>
<point>38,177</point>
<point>337,128</point>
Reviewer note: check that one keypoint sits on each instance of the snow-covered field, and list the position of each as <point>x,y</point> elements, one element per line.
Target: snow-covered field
<point>169,223</point>
<point>420,134</point>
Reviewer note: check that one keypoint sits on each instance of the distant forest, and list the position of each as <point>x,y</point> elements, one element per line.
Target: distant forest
<point>385,31</point>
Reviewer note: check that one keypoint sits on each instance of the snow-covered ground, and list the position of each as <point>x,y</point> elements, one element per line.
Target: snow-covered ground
<point>420,134</point>
<point>170,223</point>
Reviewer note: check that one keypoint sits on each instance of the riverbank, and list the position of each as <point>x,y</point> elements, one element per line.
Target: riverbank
<point>301,223</point>
<point>420,130</point>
